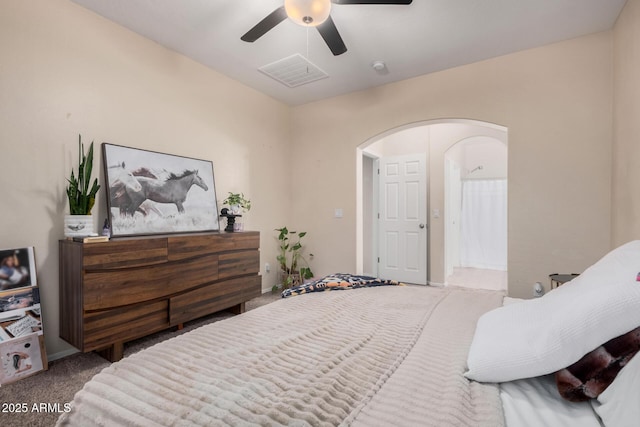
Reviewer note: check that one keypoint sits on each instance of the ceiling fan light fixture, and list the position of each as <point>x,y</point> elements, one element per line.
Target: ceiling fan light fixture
<point>308,13</point>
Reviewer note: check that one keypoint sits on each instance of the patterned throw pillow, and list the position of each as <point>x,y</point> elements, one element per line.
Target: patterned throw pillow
<point>592,374</point>
<point>337,281</point>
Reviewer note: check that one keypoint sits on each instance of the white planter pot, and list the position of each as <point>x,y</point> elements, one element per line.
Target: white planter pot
<point>78,225</point>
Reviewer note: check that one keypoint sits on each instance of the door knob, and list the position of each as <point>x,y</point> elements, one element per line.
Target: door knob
<point>421,225</point>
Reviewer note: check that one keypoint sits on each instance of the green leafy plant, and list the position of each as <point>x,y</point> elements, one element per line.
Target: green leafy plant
<point>293,265</point>
<point>81,196</point>
<point>238,199</point>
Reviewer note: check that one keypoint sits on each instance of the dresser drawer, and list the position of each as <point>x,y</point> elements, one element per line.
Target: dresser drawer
<point>212,298</point>
<point>123,324</point>
<point>115,288</point>
<point>183,247</point>
<point>234,264</point>
<point>117,254</point>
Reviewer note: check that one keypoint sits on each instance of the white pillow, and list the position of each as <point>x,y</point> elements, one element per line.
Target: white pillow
<point>543,335</point>
<point>619,404</point>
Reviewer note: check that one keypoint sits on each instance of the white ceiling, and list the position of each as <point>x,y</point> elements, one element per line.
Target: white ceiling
<point>426,36</point>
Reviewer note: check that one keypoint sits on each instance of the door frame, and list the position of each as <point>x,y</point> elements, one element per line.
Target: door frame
<point>360,211</point>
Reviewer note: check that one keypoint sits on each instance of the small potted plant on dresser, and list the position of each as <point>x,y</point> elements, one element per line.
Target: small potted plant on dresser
<point>238,204</point>
<point>294,267</point>
<point>82,195</point>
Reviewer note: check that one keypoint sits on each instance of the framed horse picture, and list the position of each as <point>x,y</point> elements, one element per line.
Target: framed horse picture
<point>157,193</point>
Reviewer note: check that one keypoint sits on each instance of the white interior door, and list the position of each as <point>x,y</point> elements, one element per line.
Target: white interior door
<point>403,218</point>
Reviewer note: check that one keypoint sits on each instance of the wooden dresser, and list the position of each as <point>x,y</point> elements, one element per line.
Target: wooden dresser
<point>117,291</point>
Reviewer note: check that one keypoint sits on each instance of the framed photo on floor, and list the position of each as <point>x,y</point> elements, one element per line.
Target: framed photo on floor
<point>17,269</point>
<point>22,351</point>
<point>157,193</point>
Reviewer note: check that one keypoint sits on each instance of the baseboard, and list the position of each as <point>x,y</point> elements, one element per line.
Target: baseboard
<point>61,354</point>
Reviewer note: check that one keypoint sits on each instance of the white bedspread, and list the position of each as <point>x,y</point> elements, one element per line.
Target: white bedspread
<point>390,355</point>
<point>534,402</point>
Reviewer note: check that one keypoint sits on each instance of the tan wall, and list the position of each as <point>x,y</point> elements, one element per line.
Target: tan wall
<point>556,102</point>
<point>626,126</point>
<point>67,71</point>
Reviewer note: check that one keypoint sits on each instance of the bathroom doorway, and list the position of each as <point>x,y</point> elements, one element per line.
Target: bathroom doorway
<point>476,191</point>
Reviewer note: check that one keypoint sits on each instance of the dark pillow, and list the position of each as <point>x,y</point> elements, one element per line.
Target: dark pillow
<point>592,374</point>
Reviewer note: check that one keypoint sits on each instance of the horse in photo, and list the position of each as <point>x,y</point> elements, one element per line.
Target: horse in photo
<point>172,190</point>
<point>125,191</point>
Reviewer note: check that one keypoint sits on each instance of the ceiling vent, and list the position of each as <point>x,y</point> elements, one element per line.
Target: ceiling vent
<point>293,71</point>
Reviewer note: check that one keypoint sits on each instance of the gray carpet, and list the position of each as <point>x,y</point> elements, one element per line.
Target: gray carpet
<point>47,392</point>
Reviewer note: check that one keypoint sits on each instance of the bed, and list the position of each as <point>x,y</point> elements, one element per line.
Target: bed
<point>382,355</point>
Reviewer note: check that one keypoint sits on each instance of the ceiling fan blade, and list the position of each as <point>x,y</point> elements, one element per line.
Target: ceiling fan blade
<point>331,36</point>
<point>400,2</point>
<point>262,27</point>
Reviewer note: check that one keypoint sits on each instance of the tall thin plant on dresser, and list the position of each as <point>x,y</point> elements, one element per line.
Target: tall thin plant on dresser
<point>81,194</point>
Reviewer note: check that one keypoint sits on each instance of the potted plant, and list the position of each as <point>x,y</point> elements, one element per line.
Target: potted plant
<point>237,203</point>
<point>81,195</point>
<point>293,265</point>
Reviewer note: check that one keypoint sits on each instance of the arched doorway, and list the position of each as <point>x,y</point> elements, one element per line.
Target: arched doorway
<point>475,213</point>
<point>435,138</point>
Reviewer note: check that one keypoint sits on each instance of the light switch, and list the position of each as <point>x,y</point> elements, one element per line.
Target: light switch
<point>338,213</point>
<point>436,213</point>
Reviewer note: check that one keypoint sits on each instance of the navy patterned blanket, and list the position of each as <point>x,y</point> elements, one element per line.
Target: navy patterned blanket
<point>338,281</point>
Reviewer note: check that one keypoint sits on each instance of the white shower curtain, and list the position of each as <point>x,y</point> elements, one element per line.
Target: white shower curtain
<point>483,225</point>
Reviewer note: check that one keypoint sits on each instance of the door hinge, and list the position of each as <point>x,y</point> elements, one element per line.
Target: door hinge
<point>378,260</point>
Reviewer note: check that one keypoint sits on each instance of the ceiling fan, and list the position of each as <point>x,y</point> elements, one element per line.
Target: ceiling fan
<point>311,13</point>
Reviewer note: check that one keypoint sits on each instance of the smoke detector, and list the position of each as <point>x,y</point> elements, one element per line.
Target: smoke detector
<point>380,67</point>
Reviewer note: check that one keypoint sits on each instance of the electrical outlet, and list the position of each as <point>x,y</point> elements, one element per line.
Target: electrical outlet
<point>267,267</point>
